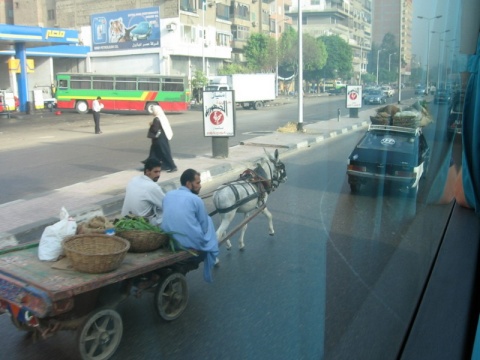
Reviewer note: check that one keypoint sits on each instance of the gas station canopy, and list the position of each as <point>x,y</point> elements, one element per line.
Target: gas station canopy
<point>19,38</point>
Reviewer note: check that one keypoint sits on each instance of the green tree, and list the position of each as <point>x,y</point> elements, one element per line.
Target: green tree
<point>316,58</point>
<point>314,55</point>
<point>233,68</point>
<point>261,53</point>
<point>199,80</point>
<point>288,51</point>
<point>340,57</point>
<point>389,51</point>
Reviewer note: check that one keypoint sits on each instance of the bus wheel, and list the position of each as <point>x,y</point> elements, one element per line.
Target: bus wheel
<point>81,107</point>
<point>149,107</point>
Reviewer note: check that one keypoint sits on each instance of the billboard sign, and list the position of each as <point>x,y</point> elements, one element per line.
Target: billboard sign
<point>354,96</point>
<point>218,113</point>
<point>125,30</point>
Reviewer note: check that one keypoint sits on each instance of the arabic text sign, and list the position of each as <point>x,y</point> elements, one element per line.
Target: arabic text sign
<point>354,96</point>
<point>218,113</point>
<point>128,29</point>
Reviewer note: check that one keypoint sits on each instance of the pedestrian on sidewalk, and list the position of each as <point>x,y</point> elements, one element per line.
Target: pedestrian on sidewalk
<point>144,196</point>
<point>96,107</point>
<point>160,132</point>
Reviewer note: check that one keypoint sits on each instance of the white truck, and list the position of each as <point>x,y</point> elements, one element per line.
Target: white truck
<point>252,91</point>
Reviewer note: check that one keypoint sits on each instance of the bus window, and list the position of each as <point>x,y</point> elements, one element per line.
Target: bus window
<point>103,83</point>
<point>169,84</point>
<point>149,84</point>
<point>80,82</point>
<point>125,83</point>
<point>63,84</point>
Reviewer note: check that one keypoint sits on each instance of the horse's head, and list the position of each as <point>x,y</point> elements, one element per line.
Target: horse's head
<point>277,168</point>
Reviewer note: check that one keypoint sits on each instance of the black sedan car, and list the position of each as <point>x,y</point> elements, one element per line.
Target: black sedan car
<point>420,90</point>
<point>376,96</point>
<point>391,154</point>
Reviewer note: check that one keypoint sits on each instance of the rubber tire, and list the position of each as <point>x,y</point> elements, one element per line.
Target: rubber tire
<point>98,328</point>
<point>81,107</point>
<point>258,105</point>
<point>171,296</point>
<point>355,188</point>
<point>148,107</point>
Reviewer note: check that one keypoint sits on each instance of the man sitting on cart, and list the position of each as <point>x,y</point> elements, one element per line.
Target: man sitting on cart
<point>186,217</point>
<point>144,196</point>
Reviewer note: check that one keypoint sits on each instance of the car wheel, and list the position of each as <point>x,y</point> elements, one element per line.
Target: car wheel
<point>354,188</point>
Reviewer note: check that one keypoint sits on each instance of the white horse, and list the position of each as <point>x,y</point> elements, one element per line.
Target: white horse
<point>247,193</point>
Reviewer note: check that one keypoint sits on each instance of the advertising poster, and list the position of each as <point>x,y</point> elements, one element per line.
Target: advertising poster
<point>354,96</point>
<point>127,29</point>
<point>219,113</point>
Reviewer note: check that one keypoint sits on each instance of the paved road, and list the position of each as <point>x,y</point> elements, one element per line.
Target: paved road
<point>340,277</point>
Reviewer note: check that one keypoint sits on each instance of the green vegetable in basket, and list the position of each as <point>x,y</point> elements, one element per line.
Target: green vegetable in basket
<point>135,223</point>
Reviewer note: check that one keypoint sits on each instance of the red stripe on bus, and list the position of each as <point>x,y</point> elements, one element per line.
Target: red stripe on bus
<point>152,95</point>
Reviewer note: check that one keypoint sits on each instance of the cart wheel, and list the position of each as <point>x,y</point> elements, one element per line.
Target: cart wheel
<point>171,296</point>
<point>21,326</point>
<point>100,335</point>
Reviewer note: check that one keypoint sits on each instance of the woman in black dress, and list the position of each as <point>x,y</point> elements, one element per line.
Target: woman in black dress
<point>160,132</point>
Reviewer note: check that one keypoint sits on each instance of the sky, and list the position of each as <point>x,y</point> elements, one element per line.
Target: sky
<point>450,20</point>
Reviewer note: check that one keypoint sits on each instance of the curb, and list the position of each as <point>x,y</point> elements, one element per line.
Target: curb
<point>112,206</point>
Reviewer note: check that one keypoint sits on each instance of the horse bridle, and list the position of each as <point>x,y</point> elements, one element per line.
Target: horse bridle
<point>278,176</point>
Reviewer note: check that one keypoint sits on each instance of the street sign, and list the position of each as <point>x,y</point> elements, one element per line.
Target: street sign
<point>354,96</point>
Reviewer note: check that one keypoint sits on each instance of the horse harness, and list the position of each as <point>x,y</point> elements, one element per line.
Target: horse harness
<point>256,180</point>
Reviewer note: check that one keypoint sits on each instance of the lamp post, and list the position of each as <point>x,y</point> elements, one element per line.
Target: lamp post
<point>378,58</point>
<point>300,69</point>
<point>445,60</point>
<point>428,43</point>
<point>439,47</point>
<point>203,35</point>
<point>361,64</point>
<point>389,55</point>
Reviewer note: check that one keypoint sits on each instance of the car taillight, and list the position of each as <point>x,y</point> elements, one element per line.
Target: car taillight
<point>406,174</point>
<point>357,168</point>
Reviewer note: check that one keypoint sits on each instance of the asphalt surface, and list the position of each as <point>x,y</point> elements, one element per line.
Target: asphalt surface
<point>24,219</point>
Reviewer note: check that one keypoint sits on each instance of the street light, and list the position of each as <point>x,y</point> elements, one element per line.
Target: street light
<point>389,55</point>
<point>428,41</point>
<point>439,47</point>
<point>378,58</point>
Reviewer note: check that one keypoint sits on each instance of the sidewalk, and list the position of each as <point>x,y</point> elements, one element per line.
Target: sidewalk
<point>24,220</point>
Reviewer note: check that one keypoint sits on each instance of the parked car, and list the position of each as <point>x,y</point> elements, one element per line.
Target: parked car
<point>375,97</point>
<point>420,90</point>
<point>392,154</point>
<point>442,96</point>
<point>387,90</point>
<point>455,118</point>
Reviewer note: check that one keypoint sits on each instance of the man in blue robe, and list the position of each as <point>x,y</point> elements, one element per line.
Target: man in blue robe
<point>185,215</point>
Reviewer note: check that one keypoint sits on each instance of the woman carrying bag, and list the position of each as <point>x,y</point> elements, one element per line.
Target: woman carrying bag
<point>160,132</point>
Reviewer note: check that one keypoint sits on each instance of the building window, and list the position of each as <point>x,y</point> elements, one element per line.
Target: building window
<point>240,32</point>
<point>240,11</point>
<point>189,33</point>
<point>223,39</point>
<point>223,12</point>
<point>188,5</point>
<point>51,14</point>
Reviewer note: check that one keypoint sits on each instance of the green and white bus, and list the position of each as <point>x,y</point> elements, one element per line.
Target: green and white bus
<point>122,92</point>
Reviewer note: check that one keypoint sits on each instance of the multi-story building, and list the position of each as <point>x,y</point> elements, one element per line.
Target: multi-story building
<point>351,20</point>
<point>386,19</point>
<point>192,37</point>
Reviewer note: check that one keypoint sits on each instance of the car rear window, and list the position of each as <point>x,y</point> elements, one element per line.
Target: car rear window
<point>397,142</point>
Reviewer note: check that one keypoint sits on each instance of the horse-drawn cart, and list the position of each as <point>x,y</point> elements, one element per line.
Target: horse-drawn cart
<point>42,299</point>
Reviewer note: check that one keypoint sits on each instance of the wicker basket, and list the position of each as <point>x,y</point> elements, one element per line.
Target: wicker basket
<point>95,253</point>
<point>143,240</point>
